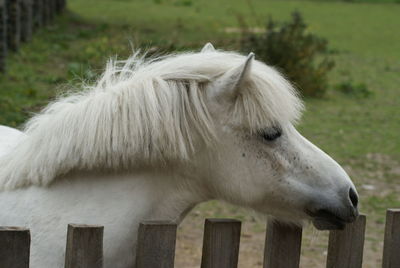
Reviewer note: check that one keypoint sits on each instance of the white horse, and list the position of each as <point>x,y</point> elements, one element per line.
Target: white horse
<point>152,139</point>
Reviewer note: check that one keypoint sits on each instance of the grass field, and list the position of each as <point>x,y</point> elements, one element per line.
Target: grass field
<point>361,133</point>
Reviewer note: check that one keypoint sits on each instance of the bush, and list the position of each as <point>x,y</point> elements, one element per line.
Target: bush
<point>300,55</point>
<point>359,90</point>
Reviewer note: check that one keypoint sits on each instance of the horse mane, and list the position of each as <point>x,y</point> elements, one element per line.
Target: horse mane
<point>141,111</point>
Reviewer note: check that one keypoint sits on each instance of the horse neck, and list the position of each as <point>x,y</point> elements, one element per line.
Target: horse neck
<point>171,200</point>
<point>168,195</point>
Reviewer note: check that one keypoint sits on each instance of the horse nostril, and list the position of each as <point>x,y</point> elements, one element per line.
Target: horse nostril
<point>353,197</point>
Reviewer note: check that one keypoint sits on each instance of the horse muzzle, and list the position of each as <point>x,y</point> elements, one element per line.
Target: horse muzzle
<point>335,217</point>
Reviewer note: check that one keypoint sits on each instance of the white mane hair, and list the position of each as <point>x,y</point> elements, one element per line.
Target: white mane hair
<point>142,111</point>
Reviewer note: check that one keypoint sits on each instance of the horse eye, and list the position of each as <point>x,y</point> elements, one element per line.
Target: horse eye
<point>271,134</point>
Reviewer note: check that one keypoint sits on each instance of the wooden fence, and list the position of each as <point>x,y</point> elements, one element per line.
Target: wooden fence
<point>156,245</point>
<point>19,19</point>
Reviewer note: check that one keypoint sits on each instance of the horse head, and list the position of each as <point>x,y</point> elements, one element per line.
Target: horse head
<point>261,161</point>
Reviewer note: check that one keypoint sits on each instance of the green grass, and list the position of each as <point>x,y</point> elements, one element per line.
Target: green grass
<point>360,28</point>
<point>352,127</point>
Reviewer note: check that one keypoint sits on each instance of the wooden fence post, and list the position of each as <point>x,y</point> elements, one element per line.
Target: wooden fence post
<point>37,14</point>
<point>60,5</point>
<point>52,9</point>
<point>42,11</point>
<point>14,247</point>
<point>14,24</point>
<point>346,246</point>
<point>84,247</point>
<point>45,12</point>
<point>282,245</point>
<point>221,243</point>
<point>156,244</point>
<point>391,248</point>
<point>26,20</point>
<point>3,35</point>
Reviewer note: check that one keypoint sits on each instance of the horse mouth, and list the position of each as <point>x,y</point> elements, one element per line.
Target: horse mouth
<point>326,220</point>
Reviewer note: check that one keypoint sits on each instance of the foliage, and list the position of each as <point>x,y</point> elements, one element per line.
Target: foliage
<point>359,90</point>
<point>295,52</point>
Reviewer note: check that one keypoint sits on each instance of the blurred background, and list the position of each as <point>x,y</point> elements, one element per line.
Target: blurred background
<point>343,56</point>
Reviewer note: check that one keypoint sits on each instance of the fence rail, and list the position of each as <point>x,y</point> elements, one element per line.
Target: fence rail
<point>156,245</point>
<point>19,19</point>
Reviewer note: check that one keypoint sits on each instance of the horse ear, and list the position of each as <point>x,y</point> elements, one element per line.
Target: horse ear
<point>228,85</point>
<point>208,48</point>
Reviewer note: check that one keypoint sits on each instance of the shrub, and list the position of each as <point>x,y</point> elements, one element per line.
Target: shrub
<point>300,55</point>
<point>359,90</point>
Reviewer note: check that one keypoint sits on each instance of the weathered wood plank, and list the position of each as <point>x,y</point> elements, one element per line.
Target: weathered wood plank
<point>3,35</point>
<point>84,247</point>
<point>391,248</point>
<point>26,20</point>
<point>14,247</point>
<point>156,245</point>
<point>13,24</point>
<point>221,243</point>
<point>282,245</point>
<point>346,246</point>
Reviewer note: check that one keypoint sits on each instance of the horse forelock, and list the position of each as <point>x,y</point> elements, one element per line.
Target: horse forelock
<point>142,111</point>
